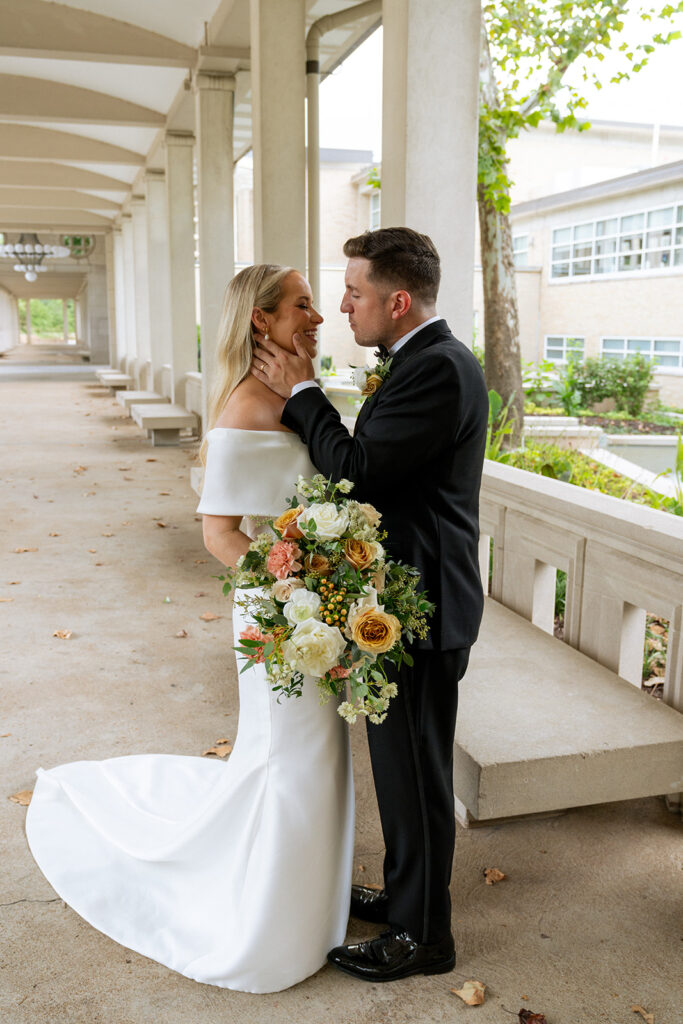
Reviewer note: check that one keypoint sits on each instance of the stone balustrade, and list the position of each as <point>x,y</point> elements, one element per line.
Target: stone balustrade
<point>622,560</point>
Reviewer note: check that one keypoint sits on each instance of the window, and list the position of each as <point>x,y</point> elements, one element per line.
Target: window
<point>667,353</point>
<point>375,206</point>
<point>560,348</point>
<point>520,250</point>
<point>649,240</point>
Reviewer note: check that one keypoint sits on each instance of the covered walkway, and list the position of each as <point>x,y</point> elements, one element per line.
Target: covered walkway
<point>583,928</point>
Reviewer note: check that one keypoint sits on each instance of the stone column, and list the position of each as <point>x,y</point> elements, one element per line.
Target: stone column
<point>214,95</point>
<point>114,354</point>
<point>158,276</point>
<point>29,336</point>
<point>120,301</point>
<point>142,320</point>
<point>65,322</point>
<point>183,303</point>
<point>128,259</point>
<point>279,131</point>
<point>429,163</point>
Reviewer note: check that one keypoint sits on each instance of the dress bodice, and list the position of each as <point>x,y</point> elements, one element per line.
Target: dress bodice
<point>251,472</point>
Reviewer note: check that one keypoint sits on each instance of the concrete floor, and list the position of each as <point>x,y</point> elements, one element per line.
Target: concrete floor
<point>585,926</point>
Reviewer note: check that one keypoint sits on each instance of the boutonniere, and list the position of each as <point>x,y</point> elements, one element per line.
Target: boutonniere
<point>370,380</point>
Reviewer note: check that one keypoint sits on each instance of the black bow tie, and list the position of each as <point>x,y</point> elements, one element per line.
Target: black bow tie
<point>382,353</point>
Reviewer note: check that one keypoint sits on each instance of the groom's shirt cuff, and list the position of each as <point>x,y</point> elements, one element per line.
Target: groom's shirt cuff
<point>303,384</point>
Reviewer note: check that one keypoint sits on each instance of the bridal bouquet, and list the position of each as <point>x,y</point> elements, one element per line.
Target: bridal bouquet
<point>328,602</point>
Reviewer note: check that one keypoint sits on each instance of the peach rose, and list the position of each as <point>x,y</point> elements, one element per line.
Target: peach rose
<point>340,673</point>
<point>359,553</point>
<point>375,631</point>
<point>254,633</point>
<point>282,559</point>
<point>317,564</point>
<point>286,524</point>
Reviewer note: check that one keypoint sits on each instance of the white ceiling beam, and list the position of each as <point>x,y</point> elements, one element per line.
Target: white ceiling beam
<point>68,199</point>
<point>43,218</point>
<point>27,142</point>
<point>37,174</point>
<point>36,28</point>
<point>23,98</point>
<point>53,285</point>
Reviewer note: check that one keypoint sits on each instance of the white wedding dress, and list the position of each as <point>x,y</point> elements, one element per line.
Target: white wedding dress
<point>235,873</point>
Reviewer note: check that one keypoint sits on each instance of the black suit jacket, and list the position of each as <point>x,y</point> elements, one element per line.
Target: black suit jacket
<point>417,455</point>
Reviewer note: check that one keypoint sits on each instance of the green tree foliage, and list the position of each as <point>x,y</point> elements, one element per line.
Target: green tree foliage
<point>47,317</point>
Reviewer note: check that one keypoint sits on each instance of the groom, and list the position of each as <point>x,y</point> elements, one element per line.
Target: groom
<point>417,455</point>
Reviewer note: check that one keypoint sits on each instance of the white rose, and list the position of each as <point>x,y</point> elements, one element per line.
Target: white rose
<point>283,589</point>
<point>303,604</point>
<point>329,520</point>
<point>314,647</point>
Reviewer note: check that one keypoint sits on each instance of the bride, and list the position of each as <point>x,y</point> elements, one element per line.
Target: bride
<point>236,874</point>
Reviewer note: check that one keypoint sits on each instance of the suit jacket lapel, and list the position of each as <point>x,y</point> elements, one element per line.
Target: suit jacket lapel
<point>418,342</point>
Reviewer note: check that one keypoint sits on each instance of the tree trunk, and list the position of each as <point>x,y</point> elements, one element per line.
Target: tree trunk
<point>502,356</point>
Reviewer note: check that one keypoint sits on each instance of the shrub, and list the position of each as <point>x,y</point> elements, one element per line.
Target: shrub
<point>624,380</point>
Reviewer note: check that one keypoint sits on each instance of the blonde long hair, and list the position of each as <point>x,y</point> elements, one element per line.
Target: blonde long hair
<point>260,285</point>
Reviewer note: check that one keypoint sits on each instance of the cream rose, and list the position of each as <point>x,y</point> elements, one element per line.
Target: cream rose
<point>314,647</point>
<point>371,514</point>
<point>330,521</point>
<point>304,604</point>
<point>283,589</point>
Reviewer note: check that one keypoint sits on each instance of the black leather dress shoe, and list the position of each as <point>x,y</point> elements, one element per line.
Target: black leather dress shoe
<point>369,904</point>
<point>393,955</point>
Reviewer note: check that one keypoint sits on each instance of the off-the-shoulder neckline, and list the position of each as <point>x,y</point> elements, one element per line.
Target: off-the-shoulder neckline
<point>242,430</point>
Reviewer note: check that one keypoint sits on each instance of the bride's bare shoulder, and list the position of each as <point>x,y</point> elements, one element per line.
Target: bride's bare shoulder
<point>251,406</point>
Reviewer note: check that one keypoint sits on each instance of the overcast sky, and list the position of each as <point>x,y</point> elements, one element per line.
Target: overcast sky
<point>351,98</point>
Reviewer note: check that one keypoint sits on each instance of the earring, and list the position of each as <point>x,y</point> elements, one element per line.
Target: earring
<point>266,336</point>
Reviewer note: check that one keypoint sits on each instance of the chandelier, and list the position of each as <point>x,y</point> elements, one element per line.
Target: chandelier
<point>29,254</point>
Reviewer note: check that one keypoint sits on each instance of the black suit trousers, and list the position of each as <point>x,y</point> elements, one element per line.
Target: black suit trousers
<point>412,765</point>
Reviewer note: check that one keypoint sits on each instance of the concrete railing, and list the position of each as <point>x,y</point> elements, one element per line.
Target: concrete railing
<point>622,560</point>
<point>193,392</point>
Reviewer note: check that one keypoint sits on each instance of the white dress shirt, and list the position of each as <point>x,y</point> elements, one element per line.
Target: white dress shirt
<point>392,352</point>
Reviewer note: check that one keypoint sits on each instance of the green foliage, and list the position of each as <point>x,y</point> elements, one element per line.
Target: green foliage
<point>199,348</point>
<point>327,366</point>
<point>47,317</point>
<point>499,426</point>
<point>566,389</point>
<point>560,594</point>
<point>624,380</point>
<point>532,45</point>
<point>374,179</point>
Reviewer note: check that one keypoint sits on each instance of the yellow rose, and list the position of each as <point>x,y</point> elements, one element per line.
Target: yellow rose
<point>373,382</point>
<point>286,523</point>
<point>375,631</point>
<point>359,553</point>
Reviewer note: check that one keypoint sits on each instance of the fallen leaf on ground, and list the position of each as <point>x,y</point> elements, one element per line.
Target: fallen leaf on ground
<point>221,748</point>
<point>198,519</point>
<point>124,469</point>
<point>20,551</point>
<point>361,867</point>
<point>5,735</point>
<point>493,875</point>
<point>6,599</point>
<point>181,633</point>
<point>53,534</point>
<point>209,616</point>
<point>63,634</point>
<point>107,534</point>
<point>200,593</point>
<point>23,797</point>
<point>649,1018</point>
<point>164,492</point>
<point>150,460</point>
<point>200,561</point>
<point>128,478</point>
<point>93,551</point>
<point>160,523</point>
<point>13,583</point>
<point>528,1017</point>
<point>80,469</point>
<point>471,993</point>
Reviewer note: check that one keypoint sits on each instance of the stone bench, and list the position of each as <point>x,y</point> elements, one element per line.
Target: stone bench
<point>543,727</point>
<point>163,422</point>
<point>128,398</point>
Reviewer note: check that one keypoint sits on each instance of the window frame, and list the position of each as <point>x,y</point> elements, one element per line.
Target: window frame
<point>565,338</point>
<point>588,260</point>
<point>652,340</point>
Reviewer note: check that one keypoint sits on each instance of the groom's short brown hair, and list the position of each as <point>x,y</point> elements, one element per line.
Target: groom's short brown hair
<point>399,258</point>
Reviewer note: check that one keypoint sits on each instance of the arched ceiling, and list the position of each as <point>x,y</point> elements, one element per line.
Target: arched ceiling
<point>88,88</point>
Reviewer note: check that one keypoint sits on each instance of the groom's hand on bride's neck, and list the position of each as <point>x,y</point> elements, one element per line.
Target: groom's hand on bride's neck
<point>279,369</point>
